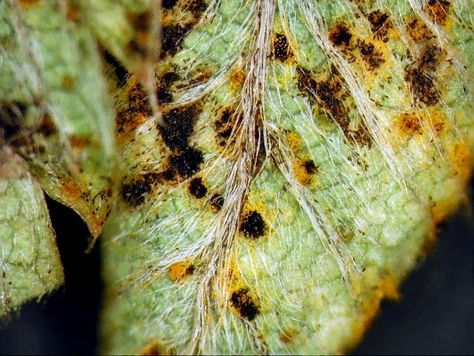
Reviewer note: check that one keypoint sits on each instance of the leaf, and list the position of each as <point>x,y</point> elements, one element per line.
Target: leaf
<point>30,266</point>
<point>285,176</point>
<point>66,130</point>
<point>305,153</point>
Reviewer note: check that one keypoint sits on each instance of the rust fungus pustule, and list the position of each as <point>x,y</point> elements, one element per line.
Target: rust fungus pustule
<point>379,24</point>
<point>134,193</point>
<point>438,10</point>
<point>244,304</point>
<point>370,55</point>
<point>172,37</point>
<point>253,226</point>
<point>281,47</point>
<point>422,86</point>
<point>340,35</point>
<point>180,270</point>
<point>187,162</point>
<point>178,126</point>
<point>197,189</point>
<point>216,202</point>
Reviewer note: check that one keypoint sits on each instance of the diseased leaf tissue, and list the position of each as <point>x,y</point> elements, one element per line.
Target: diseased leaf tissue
<point>262,173</point>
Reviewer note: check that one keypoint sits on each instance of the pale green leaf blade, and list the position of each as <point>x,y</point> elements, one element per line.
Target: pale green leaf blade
<point>30,266</point>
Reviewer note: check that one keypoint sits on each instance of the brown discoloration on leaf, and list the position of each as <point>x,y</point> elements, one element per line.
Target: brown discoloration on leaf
<point>71,190</point>
<point>303,171</point>
<point>172,37</point>
<point>244,304</point>
<point>422,86</point>
<point>136,112</point>
<point>438,10</point>
<point>196,188</point>
<point>180,270</point>
<point>178,126</point>
<point>340,35</point>
<point>408,124</point>
<point>136,190</point>
<point>431,57</point>
<point>224,126</point>
<point>281,47</point>
<point>418,30</point>
<point>155,348</point>
<point>252,225</point>
<point>27,3</point>
<point>287,336</point>
<point>216,202</point>
<point>370,55</point>
<point>380,24</point>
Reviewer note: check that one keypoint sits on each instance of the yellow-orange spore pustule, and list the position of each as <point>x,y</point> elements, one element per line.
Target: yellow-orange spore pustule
<point>304,170</point>
<point>180,270</point>
<point>417,30</point>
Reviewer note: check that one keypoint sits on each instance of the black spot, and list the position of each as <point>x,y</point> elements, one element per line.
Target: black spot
<point>134,193</point>
<point>242,301</point>
<point>340,36</point>
<point>164,96</point>
<point>197,7</point>
<point>217,201</point>
<point>11,117</point>
<point>172,37</point>
<point>187,162</point>
<point>168,4</point>
<point>120,72</point>
<point>422,87</point>
<point>370,55</point>
<point>252,225</point>
<point>178,126</point>
<point>379,24</point>
<point>310,167</point>
<point>197,189</point>
<point>430,58</point>
<point>138,48</point>
<point>281,49</point>
<point>163,93</point>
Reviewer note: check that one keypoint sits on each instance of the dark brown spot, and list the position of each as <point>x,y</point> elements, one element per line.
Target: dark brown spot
<point>216,201</point>
<point>340,35</point>
<point>224,127</point>
<point>418,30</point>
<point>252,225</point>
<point>11,117</point>
<point>409,124</point>
<point>120,72</point>
<point>134,193</point>
<point>138,108</point>
<point>163,92</point>
<point>370,55</point>
<point>281,49</point>
<point>197,189</point>
<point>422,86</point>
<point>187,162</point>
<point>430,58</point>
<point>197,7</point>
<point>178,126</point>
<point>168,4</point>
<point>379,24</point>
<point>438,10</point>
<point>172,37</point>
<point>310,167</point>
<point>138,48</point>
<point>326,93</point>
<point>47,126</point>
<point>242,301</point>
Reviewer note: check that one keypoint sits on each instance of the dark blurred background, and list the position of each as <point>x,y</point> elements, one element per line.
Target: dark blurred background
<point>434,316</point>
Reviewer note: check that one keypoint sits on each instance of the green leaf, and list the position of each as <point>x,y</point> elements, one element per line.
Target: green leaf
<point>30,266</point>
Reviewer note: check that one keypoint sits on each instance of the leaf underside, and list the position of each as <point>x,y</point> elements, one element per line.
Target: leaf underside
<point>277,166</point>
